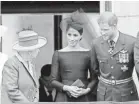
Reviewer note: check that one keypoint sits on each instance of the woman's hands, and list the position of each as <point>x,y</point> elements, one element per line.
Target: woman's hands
<point>84,91</point>
<point>76,91</point>
<point>73,90</point>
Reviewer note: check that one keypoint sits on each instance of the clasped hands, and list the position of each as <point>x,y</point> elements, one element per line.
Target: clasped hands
<point>76,91</point>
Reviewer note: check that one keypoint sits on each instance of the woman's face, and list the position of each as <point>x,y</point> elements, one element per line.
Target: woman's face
<point>34,53</point>
<point>73,37</point>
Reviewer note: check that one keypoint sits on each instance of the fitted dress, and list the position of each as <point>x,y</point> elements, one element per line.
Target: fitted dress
<point>67,67</point>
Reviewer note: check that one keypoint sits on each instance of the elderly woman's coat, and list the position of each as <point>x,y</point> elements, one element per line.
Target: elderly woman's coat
<point>19,83</point>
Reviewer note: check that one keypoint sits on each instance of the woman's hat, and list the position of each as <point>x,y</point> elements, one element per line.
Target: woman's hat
<point>77,20</point>
<point>29,40</point>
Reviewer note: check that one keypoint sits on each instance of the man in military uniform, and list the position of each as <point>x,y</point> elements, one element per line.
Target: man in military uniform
<point>113,58</point>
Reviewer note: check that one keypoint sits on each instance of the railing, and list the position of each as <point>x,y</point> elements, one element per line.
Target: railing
<point>101,102</point>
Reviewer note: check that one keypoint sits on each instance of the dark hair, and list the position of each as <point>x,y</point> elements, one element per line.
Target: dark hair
<point>75,26</point>
<point>46,70</point>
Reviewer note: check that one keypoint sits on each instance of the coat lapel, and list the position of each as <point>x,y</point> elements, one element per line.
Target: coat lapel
<point>26,67</point>
<point>105,45</point>
<point>120,44</point>
<point>33,77</point>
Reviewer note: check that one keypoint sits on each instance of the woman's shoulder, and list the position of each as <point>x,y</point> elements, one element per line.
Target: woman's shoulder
<point>63,50</point>
<point>84,49</point>
<point>66,49</point>
<point>12,62</point>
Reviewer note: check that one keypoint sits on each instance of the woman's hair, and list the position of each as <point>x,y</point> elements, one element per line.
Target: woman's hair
<point>77,20</point>
<point>75,26</point>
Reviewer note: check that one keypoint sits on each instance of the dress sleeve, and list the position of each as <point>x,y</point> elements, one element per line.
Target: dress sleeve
<point>10,82</point>
<point>55,73</point>
<point>93,69</point>
<point>94,64</point>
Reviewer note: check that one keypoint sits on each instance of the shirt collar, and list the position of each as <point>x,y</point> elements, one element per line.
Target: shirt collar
<point>116,38</point>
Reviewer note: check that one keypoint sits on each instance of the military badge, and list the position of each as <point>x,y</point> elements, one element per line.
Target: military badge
<point>111,46</point>
<point>124,68</point>
<point>110,51</point>
<point>123,56</point>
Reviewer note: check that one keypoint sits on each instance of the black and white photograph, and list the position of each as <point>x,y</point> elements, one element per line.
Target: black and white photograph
<point>69,52</point>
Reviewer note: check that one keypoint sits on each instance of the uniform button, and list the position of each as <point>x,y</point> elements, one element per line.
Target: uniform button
<point>111,57</point>
<point>112,67</point>
<point>131,92</point>
<point>112,77</point>
<point>100,61</point>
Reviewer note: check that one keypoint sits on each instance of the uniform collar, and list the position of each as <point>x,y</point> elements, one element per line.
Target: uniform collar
<point>116,38</point>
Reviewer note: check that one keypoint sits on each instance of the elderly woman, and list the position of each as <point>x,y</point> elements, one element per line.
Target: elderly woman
<point>19,75</point>
<point>70,66</point>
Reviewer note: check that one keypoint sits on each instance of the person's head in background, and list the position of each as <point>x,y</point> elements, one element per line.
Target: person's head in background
<point>108,25</point>
<point>74,33</point>
<point>46,70</point>
<point>28,44</point>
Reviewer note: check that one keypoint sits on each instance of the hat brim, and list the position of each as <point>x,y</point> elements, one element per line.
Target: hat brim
<point>41,42</point>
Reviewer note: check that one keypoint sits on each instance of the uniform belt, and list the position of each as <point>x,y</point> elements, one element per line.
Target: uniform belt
<point>115,82</point>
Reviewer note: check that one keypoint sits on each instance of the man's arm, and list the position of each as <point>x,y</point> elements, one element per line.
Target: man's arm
<point>94,69</point>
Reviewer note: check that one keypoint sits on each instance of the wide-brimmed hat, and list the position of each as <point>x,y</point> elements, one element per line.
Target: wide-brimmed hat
<point>3,29</point>
<point>29,40</point>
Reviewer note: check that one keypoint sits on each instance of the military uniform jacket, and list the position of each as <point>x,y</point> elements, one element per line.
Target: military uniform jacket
<point>115,66</point>
<point>19,84</point>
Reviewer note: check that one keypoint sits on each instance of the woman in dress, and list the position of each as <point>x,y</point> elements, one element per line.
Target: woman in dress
<point>71,64</point>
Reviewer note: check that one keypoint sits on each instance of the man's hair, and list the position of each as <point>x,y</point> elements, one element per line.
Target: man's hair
<point>108,17</point>
<point>76,26</point>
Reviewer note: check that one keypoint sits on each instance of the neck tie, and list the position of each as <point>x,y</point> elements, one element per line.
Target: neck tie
<point>111,45</point>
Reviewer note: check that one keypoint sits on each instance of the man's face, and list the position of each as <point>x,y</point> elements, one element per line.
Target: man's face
<point>106,31</point>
